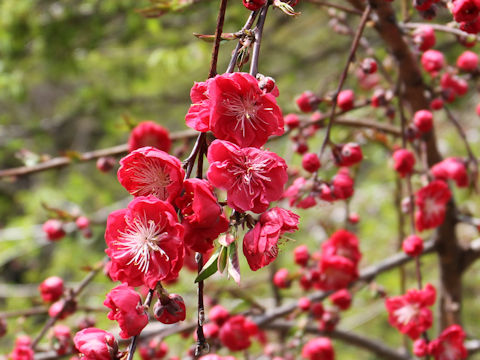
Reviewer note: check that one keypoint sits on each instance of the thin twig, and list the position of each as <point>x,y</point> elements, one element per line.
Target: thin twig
<point>83,157</point>
<point>247,26</point>
<point>336,6</point>
<point>218,37</point>
<point>258,40</point>
<point>343,77</point>
<point>72,296</point>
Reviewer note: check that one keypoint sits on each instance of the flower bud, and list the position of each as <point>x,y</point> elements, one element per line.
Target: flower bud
<point>170,309</point>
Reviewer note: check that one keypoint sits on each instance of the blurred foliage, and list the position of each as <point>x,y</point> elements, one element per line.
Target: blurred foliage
<point>71,71</point>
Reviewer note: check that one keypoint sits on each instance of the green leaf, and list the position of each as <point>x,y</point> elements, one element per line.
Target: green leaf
<point>209,268</point>
<point>233,266</point>
<point>222,259</point>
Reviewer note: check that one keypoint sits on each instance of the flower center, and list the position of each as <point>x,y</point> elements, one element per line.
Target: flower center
<point>151,177</point>
<point>406,313</point>
<point>432,207</point>
<point>139,240</point>
<point>250,172</point>
<point>244,109</point>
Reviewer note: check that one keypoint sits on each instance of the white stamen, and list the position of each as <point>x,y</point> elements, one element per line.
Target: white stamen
<point>152,178</point>
<point>139,239</point>
<point>244,109</point>
<point>406,313</point>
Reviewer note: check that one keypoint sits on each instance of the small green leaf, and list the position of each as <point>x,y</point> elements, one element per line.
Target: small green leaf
<point>209,268</point>
<point>222,259</point>
<point>233,266</point>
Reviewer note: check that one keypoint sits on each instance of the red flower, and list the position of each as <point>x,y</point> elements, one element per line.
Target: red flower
<point>431,201</point>
<point>318,349</point>
<point>420,347</point>
<point>336,272</point>
<point>170,309</point>
<point>235,333</point>
<point>310,162</point>
<point>198,116</point>
<point>404,161</point>
<point>281,279</point>
<point>96,344</point>
<point>154,350</point>
<point>449,345</point>
<point>260,245</point>
<point>241,112</point>
<point>252,178</point>
<point>342,185</point>
<point>22,352</point>
<point>413,245</point>
<point>424,37</point>
<point>465,10</point>
<point>218,314</point>
<point>409,313</point>
<point>253,5</point>
<point>307,101</point>
<point>203,218</point>
<point>342,299</point>
<point>145,242</point>
<point>467,61</point>
<point>345,99</point>
<point>148,171</point>
<point>432,61</point>
<point>348,154</point>
<point>51,289</point>
<point>301,255</point>
<point>299,194</point>
<point>451,168</point>
<point>62,339</point>
<point>127,310</point>
<point>149,133</point>
<point>342,243</point>
<point>53,228</point>
<point>291,120</point>
<point>423,120</point>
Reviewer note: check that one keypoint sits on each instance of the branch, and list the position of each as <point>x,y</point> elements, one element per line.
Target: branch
<point>374,346</point>
<point>71,297</point>
<point>336,6</point>
<point>88,156</point>
<point>343,77</point>
<point>258,39</point>
<point>443,28</point>
<point>366,275</point>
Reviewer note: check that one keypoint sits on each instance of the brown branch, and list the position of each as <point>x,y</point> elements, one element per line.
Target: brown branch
<point>343,77</point>
<point>373,346</point>
<point>218,37</point>
<point>336,6</point>
<point>68,301</point>
<point>88,156</point>
<point>366,275</point>
<point>439,27</point>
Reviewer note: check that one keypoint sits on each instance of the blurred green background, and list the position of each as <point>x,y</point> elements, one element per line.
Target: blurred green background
<point>71,72</point>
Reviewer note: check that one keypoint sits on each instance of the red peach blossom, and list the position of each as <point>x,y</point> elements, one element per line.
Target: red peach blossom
<point>96,344</point>
<point>318,349</point>
<point>449,345</point>
<point>252,178</point>
<point>202,216</point>
<point>240,112</point>
<point>149,133</point>
<point>409,313</point>
<point>260,245</point>
<point>148,171</point>
<point>127,309</point>
<point>145,242</point>
<point>431,203</point>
